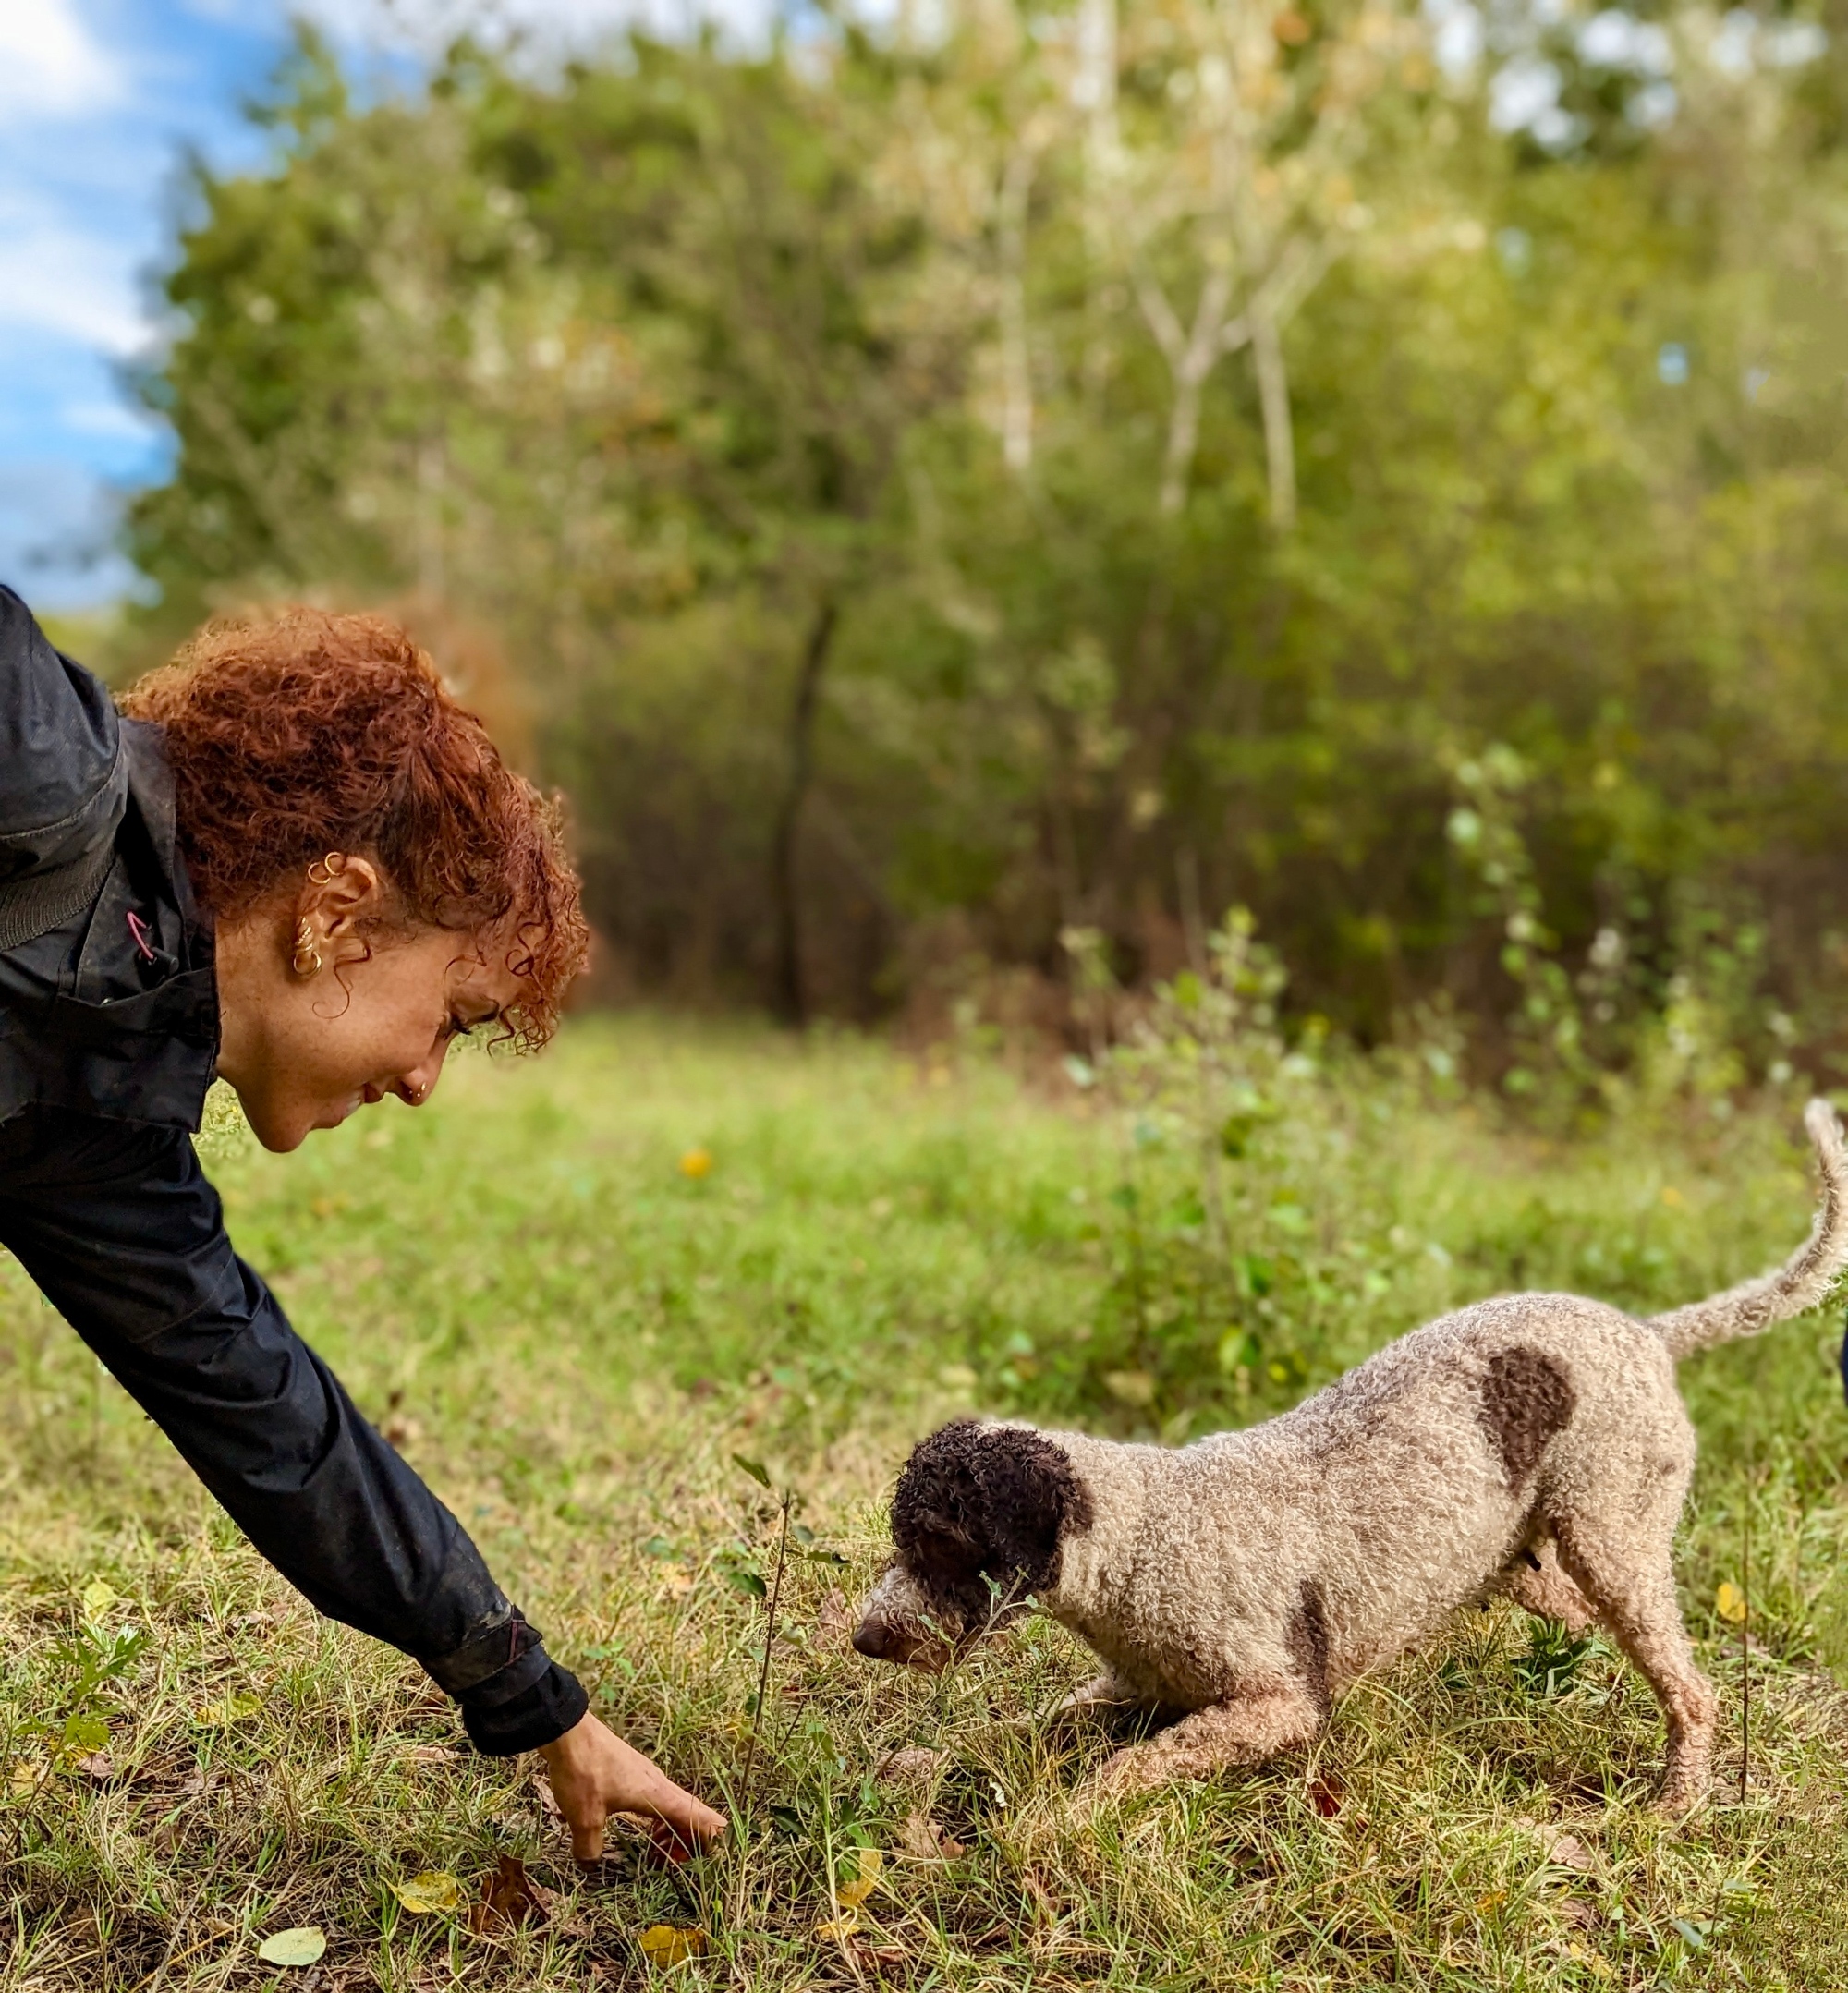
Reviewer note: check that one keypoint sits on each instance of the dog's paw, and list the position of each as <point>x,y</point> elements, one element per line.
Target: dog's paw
<point>1122,1775</point>
<point>1678,1796</point>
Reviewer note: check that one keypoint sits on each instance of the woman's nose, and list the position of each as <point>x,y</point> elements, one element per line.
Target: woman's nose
<point>416,1087</point>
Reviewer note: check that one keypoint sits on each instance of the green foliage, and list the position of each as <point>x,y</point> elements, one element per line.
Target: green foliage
<point>923,504</point>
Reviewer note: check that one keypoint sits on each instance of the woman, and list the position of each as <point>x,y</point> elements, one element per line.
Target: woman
<point>299,867</point>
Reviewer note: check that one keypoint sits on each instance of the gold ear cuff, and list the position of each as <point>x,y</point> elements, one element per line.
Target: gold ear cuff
<point>306,960</point>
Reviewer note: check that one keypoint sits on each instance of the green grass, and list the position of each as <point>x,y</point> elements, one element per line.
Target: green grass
<point>574,1338</point>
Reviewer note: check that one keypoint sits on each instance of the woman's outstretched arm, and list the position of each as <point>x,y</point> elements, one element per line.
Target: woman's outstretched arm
<point>118,1227</point>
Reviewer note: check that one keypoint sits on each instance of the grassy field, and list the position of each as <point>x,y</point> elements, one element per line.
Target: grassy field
<point>572,1328</point>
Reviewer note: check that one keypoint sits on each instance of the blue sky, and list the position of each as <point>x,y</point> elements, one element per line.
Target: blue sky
<point>97,98</point>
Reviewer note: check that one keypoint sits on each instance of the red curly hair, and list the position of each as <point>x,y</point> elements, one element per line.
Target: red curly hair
<point>304,732</point>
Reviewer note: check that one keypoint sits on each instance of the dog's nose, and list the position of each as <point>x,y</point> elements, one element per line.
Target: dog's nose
<point>871,1639</point>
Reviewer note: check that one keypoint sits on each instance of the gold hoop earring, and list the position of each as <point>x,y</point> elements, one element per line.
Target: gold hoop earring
<point>306,960</point>
<point>322,872</point>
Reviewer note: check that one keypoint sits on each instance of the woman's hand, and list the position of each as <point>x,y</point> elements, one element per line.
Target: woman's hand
<point>594,1774</point>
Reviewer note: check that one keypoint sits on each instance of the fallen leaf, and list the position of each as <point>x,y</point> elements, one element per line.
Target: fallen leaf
<point>429,1894</point>
<point>302,1946</point>
<point>227,1710</point>
<point>1729,1601</point>
<point>1563,1849</point>
<point>99,1595</point>
<point>924,1840</point>
<point>1045,1904</point>
<point>914,1765</point>
<point>1578,1914</point>
<point>865,1880</point>
<point>24,1779</point>
<point>1493,1901</point>
<point>834,1621</point>
<point>672,1944</point>
<point>837,1930</point>
<point>1326,1795</point>
<point>99,1766</point>
<point>509,1896</point>
<point>877,1956</point>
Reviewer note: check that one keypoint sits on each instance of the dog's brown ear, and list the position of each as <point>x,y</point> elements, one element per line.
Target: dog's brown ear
<point>936,1513</point>
<point>1032,1499</point>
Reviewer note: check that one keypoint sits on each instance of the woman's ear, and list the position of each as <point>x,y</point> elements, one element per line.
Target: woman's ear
<point>340,897</point>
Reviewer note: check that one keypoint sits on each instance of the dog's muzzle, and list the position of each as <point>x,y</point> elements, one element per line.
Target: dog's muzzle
<point>879,1640</point>
<point>897,1624</point>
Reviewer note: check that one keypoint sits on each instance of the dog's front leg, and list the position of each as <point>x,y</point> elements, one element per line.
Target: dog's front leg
<point>1245,1732</point>
<point>1105,1691</point>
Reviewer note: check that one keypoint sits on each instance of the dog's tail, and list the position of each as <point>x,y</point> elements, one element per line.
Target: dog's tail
<point>1799,1283</point>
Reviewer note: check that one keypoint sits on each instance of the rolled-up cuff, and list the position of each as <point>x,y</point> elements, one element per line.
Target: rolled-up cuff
<point>536,1716</point>
<point>514,1696</point>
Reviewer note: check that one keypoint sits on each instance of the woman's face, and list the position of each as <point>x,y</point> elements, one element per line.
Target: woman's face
<point>304,1045</point>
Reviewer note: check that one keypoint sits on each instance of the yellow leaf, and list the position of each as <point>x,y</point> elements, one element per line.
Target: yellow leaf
<point>428,1894</point>
<point>25,1779</point>
<point>1493,1901</point>
<point>695,1163</point>
<point>837,1928</point>
<point>98,1597</point>
<point>301,1946</point>
<point>854,1892</point>
<point>672,1944</point>
<point>227,1710</point>
<point>1729,1601</point>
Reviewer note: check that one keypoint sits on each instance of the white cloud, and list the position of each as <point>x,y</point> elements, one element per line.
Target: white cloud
<point>551,26</point>
<point>51,65</point>
<point>58,278</point>
<point>108,419</point>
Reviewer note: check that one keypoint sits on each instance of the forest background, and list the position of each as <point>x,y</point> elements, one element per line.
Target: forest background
<point>961,501</point>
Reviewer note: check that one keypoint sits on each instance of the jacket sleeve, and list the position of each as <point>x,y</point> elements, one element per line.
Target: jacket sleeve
<point>63,780</point>
<point>120,1230</point>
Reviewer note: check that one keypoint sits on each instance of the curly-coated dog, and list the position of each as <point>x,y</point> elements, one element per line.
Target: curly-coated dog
<point>1534,1444</point>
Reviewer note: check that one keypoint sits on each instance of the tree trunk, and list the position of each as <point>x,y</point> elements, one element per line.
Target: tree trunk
<point>1273,399</point>
<point>1016,363</point>
<point>786,995</point>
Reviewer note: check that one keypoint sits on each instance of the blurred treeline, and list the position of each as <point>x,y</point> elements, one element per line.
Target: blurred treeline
<point>1007,474</point>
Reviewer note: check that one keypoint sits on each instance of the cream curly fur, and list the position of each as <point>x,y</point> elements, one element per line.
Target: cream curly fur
<point>1534,1444</point>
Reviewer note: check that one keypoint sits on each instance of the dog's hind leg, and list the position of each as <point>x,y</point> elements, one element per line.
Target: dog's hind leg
<point>1535,1581</point>
<point>1245,1731</point>
<point>1632,1585</point>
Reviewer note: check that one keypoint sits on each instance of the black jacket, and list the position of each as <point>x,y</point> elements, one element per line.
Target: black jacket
<point>108,1039</point>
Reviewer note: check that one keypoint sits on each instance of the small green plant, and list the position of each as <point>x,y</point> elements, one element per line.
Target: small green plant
<point>1553,1660</point>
